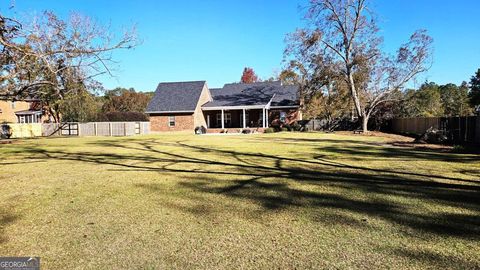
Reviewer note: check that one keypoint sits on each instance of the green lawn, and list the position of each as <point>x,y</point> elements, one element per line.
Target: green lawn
<point>289,200</point>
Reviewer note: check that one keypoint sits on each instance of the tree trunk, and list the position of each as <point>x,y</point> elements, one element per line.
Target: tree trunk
<point>365,123</point>
<point>355,97</point>
<point>54,114</point>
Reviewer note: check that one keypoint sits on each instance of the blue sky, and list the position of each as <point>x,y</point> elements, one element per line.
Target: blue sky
<point>214,40</point>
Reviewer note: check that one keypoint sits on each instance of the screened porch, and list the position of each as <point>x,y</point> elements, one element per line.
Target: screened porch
<point>224,118</point>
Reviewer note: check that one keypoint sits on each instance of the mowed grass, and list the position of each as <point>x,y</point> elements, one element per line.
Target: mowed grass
<point>288,200</point>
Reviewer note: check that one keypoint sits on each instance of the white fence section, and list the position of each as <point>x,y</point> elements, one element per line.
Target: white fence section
<point>20,130</point>
<point>113,128</point>
<point>96,129</point>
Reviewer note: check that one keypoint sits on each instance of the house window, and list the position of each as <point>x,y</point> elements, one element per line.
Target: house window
<point>227,119</point>
<point>13,105</point>
<point>283,116</point>
<point>28,119</point>
<point>171,121</point>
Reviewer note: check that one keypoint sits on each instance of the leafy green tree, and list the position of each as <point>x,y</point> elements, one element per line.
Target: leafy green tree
<point>424,102</point>
<point>288,77</point>
<point>428,101</point>
<point>455,99</point>
<point>125,100</point>
<point>79,107</point>
<point>408,104</point>
<point>474,94</point>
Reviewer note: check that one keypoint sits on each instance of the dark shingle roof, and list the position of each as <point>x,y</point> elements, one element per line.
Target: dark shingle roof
<point>240,94</point>
<point>286,95</point>
<point>176,97</point>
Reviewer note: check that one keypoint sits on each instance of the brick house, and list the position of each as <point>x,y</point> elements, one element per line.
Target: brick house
<point>190,106</point>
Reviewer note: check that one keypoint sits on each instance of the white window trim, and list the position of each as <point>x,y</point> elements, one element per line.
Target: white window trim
<point>170,121</point>
<point>227,118</point>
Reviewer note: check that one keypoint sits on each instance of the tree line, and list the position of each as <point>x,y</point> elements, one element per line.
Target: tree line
<point>119,104</point>
<point>429,100</point>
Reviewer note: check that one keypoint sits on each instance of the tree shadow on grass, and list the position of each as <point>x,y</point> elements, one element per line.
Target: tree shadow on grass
<point>436,260</point>
<point>372,149</point>
<point>273,182</point>
<point>6,218</point>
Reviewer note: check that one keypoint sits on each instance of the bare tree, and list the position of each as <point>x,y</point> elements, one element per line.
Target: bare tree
<point>50,58</point>
<point>343,34</point>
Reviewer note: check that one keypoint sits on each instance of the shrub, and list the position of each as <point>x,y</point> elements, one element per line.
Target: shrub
<point>276,127</point>
<point>284,129</point>
<point>269,130</point>
<point>459,149</point>
<point>5,131</point>
<point>432,135</point>
<point>200,130</point>
<point>296,127</point>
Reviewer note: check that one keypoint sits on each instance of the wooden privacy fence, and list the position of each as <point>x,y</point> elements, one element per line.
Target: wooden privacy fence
<point>415,126</point>
<point>458,130</point>
<point>96,129</point>
<point>316,124</point>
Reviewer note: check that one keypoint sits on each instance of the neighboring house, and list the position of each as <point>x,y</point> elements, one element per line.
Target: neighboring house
<point>186,106</point>
<point>23,111</point>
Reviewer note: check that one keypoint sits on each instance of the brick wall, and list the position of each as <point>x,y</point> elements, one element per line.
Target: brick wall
<point>183,122</point>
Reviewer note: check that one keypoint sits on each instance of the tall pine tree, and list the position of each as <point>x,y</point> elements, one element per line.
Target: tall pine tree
<point>475,89</point>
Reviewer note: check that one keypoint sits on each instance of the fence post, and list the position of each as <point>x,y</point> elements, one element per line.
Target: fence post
<point>95,128</point>
<point>125,128</point>
<point>110,128</point>
<point>466,129</point>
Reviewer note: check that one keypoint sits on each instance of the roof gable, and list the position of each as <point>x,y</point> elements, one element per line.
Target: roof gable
<point>176,97</point>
